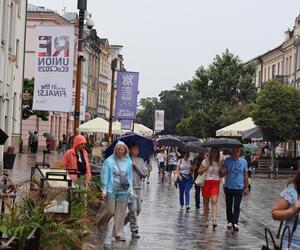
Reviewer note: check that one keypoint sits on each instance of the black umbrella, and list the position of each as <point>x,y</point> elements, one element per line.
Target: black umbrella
<point>169,141</point>
<point>3,137</point>
<point>48,136</point>
<point>194,147</point>
<point>188,139</point>
<point>222,143</point>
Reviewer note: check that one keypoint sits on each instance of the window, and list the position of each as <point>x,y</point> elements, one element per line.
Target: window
<point>287,66</point>
<point>268,73</point>
<point>3,21</point>
<point>273,71</point>
<point>278,69</point>
<point>11,38</point>
<point>17,52</point>
<point>290,66</point>
<point>19,8</point>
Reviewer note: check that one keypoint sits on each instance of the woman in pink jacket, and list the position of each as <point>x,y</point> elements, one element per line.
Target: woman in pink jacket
<point>77,158</point>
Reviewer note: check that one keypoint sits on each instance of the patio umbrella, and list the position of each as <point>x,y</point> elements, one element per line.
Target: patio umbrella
<point>194,147</point>
<point>146,147</point>
<point>250,148</point>
<point>31,133</point>
<point>188,138</point>
<point>170,141</point>
<point>222,143</point>
<point>3,137</point>
<point>252,133</point>
<point>48,136</point>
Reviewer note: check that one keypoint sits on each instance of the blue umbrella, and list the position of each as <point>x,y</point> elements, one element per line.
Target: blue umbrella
<point>146,147</point>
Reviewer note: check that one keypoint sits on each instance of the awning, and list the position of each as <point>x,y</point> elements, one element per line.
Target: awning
<point>237,128</point>
<point>253,133</point>
<point>97,125</point>
<point>142,130</point>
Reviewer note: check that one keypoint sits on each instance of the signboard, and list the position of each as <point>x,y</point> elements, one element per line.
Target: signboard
<point>127,91</point>
<point>126,125</point>
<point>83,100</point>
<point>159,120</point>
<point>53,68</point>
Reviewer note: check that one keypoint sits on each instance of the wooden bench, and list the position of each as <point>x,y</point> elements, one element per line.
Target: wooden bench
<point>264,167</point>
<point>286,171</point>
<point>12,244</point>
<point>33,240</point>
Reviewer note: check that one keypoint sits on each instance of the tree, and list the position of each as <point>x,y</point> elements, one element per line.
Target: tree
<point>226,86</point>
<point>146,114</point>
<point>277,112</point>
<point>27,107</point>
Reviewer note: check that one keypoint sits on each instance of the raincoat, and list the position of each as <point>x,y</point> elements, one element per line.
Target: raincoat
<point>70,158</point>
<point>108,169</point>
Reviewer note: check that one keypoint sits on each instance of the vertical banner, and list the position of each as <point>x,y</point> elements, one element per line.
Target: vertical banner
<point>83,100</point>
<point>126,125</point>
<point>159,120</point>
<point>127,91</point>
<point>53,68</point>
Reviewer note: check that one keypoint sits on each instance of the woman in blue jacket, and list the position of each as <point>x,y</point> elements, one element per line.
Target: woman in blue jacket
<point>116,185</point>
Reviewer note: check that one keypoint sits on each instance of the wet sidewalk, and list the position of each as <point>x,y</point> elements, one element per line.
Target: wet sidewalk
<point>164,226</point>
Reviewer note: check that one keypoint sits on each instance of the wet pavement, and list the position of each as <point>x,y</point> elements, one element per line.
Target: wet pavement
<point>164,226</point>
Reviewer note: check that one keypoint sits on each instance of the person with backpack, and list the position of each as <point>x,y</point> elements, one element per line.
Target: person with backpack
<point>185,179</point>
<point>287,208</point>
<point>211,189</point>
<point>140,171</point>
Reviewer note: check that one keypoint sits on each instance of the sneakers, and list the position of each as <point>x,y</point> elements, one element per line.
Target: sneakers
<point>197,209</point>
<point>188,209</point>
<point>120,238</point>
<point>236,227</point>
<point>229,226</point>
<point>135,234</point>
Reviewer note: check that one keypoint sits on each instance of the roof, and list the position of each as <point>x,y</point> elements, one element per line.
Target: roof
<point>70,16</point>
<point>237,128</point>
<point>34,8</point>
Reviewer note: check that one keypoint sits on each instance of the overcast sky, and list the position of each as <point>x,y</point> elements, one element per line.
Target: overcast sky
<point>167,40</point>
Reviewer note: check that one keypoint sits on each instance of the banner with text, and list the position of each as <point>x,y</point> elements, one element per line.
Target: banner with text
<point>126,125</point>
<point>159,120</point>
<point>53,68</point>
<point>127,91</point>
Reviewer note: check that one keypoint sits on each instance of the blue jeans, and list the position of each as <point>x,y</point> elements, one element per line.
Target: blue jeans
<point>184,190</point>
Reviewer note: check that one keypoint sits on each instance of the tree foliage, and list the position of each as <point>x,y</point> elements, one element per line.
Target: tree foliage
<point>27,108</point>
<point>277,112</point>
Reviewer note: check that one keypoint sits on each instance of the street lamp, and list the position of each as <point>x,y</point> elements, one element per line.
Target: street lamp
<point>114,52</point>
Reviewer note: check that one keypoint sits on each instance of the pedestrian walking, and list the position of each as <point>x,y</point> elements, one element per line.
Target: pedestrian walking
<point>235,170</point>
<point>161,160</point>
<point>116,185</point>
<point>34,143</point>
<point>287,209</point>
<point>30,137</point>
<point>195,169</point>
<point>172,163</point>
<point>140,171</point>
<point>211,189</point>
<point>185,178</point>
<point>77,159</point>
<point>64,143</point>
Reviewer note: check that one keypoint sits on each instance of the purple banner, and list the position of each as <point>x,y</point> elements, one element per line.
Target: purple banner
<point>126,125</point>
<point>127,91</point>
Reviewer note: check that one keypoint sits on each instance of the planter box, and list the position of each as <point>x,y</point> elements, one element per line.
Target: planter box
<point>9,161</point>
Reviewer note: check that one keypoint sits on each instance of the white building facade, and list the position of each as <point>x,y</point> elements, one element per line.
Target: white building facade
<point>12,43</point>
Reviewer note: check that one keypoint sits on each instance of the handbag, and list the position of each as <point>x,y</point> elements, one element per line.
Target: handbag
<point>123,180</point>
<point>200,179</point>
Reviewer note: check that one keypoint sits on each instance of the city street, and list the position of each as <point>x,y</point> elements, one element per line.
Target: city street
<point>164,226</point>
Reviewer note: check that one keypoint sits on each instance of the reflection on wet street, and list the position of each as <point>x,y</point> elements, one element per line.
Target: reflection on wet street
<point>164,226</point>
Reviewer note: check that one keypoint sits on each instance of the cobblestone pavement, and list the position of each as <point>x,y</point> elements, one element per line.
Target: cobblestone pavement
<point>164,226</point>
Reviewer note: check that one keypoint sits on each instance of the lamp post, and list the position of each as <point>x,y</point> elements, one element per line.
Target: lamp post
<point>81,5</point>
<point>114,51</point>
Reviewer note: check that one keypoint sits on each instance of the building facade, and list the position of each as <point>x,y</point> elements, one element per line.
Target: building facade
<point>283,62</point>
<point>12,37</point>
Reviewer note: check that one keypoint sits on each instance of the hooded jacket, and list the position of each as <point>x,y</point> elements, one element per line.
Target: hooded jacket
<point>110,166</point>
<point>70,158</point>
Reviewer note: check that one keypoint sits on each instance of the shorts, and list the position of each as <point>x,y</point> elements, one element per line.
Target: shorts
<point>211,188</point>
<point>171,168</point>
<point>162,167</point>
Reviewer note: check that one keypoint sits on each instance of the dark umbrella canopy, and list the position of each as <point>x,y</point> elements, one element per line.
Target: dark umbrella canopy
<point>222,143</point>
<point>170,141</point>
<point>188,139</point>
<point>3,137</point>
<point>31,133</point>
<point>194,147</point>
<point>48,136</point>
<point>146,147</point>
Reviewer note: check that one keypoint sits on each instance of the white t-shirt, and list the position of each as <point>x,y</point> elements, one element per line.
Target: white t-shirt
<point>160,157</point>
<point>184,166</point>
<point>213,171</point>
<point>172,158</point>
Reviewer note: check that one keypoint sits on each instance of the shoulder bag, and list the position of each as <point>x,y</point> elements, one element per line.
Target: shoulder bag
<point>200,179</point>
<point>123,180</point>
